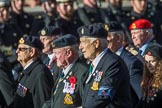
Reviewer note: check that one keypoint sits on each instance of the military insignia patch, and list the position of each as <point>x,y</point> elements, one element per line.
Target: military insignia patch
<point>106,90</point>
<point>21,41</point>
<point>43,32</point>
<point>21,90</point>
<point>68,100</point>
<point>134,26</point>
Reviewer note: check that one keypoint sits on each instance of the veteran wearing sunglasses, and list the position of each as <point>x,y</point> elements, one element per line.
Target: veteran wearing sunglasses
<point>35,82</point>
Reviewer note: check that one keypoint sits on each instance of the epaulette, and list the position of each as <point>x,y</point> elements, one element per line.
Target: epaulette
<point>132,50</point>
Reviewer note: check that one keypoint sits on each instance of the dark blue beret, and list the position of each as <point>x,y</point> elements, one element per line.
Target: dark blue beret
<point>65,40</point>
<point>97,30</point>
<point>114,26</point>
<point>32,41</point>
<point>155,50</point>
<point>49,31</point>
<point>4,3</point>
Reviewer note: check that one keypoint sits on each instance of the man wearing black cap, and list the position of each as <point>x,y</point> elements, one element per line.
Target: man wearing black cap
<point>68,88</point>
<point>135,66</point>
<point>47,35</point>
<point>35,82</point>
<point>107,85</point>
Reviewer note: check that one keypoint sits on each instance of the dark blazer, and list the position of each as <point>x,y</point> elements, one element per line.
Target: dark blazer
<point>7,84</point>
<point>113,90</point>
<point>135,67</point>
<point>78,70</point>
<point>34,87</point>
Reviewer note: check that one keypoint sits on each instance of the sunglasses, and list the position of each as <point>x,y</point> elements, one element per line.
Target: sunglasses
<point>23,49</point>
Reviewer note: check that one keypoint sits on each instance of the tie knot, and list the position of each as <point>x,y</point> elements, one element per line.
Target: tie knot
<point>90,68</point>
<point>62,75</point>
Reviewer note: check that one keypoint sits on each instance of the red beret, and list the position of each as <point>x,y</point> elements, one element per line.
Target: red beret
<point>140,24</point>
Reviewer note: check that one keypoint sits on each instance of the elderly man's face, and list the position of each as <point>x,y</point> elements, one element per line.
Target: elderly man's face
<point>139,37</point>
<point>23,53</point>
<point>46,40</point>
<point>88,48</point>
<point>61,56</point>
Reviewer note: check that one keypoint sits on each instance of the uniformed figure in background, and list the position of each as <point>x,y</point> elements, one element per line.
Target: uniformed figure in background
<point>47,18</point>
<point>139,10</point>
<point>107,84</point>
<point>7,84</point>
<point>50,12</point>
<point>23,19</point>
<point>91,12</point>
<point>35,81</point>
<point>67,91</point>
<point>47,35</point>
<point>135,66</point>
<point>10,32</point>
<point>68,20</point>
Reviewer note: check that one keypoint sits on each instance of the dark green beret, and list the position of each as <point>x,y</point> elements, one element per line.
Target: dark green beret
<point>155,50</point>
<point>97,30</point>
<point>49,31</point>
<point>114,26</point>
<point>63,1</point>
<point>4,3</point>
<point>65,40</point>
<point>32,41</point>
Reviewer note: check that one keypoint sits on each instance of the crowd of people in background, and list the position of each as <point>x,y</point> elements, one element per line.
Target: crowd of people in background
<point>85,57</point>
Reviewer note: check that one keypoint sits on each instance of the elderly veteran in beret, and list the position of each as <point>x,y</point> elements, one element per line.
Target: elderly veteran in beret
<point>107,84</point>
<point>152,78</point>
<point>35,82</point>
<point>47,35</point>
<point>68,88</point>
<point>142,34</point>
<point>135,66</point>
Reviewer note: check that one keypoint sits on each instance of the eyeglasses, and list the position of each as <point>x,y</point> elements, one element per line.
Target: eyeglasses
<point>22,49</point>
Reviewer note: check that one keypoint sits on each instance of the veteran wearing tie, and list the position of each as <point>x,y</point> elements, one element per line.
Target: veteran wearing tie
<point>67,92</point>
<point>107,86</point>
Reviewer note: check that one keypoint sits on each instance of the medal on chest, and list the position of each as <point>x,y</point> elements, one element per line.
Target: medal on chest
<point>68,100</point>
<point>98,76</point>
<point>21,90</point>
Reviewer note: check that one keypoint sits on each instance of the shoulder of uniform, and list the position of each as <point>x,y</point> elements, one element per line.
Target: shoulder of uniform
<point>132,50</point>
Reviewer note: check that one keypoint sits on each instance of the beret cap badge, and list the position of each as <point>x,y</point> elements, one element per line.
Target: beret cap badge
<point>21,41</point>
<point>106,27</point>
<point>43,32</point>
<point>134,26</point>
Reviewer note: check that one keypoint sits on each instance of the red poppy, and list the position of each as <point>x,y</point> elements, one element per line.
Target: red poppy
<point>72,79</point>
